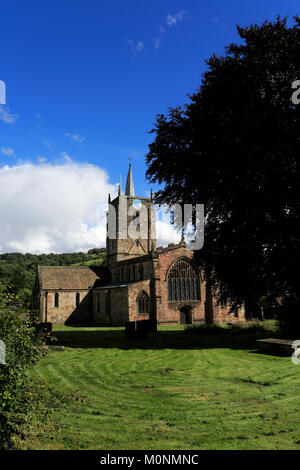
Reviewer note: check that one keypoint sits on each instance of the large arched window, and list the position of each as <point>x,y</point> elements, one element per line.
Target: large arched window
<point>183,282</point>
<point>143,302</point>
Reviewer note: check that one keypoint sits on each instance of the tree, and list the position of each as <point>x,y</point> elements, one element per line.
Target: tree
<point>235,148</point>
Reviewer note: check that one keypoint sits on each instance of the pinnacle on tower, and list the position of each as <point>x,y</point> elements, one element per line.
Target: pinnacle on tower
<point>129,191</point>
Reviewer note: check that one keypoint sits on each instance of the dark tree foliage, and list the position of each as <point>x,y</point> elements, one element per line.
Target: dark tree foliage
<point>235,148</point>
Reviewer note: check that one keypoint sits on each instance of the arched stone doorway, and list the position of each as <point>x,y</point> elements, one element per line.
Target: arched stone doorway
<point>185,315</point>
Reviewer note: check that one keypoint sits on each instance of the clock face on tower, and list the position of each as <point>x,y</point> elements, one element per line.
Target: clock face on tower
<point>137,204</point>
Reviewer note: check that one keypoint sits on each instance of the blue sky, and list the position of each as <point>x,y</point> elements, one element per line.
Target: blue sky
<point>85,79</point>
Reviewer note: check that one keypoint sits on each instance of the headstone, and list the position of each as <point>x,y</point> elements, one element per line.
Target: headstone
<point>2,353</point>
<point>142,328</point>
<point>130,329</point>
<point>152,325</point>
<point>56,348</point>
<point>276,346</point>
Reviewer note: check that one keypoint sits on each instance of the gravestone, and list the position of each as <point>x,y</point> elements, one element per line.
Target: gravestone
<point>152,325</point>
<point>142,328</point>
<point>130,329</point>
<point>275,346</point>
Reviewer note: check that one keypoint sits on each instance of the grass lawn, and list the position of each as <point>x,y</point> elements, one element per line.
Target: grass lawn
<point>169,391</point>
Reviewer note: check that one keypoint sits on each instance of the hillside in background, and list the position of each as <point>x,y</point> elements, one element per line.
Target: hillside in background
<point>17,270</point>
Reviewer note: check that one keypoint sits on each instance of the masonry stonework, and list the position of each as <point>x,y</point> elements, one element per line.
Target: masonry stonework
<point>169,311</point>
<point>136,281</point>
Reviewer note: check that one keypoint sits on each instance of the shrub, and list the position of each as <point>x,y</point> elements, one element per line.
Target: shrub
<point>231,329</point>
<point>205,329</point>
<point>22,350</point>
<point>289,317</point>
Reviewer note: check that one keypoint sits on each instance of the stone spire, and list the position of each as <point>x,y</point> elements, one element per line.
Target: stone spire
<point>129,191</point>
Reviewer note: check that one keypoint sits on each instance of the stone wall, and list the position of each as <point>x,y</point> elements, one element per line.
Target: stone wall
<point>205,310</point>
<point>134,290</point>
<point>117,305</point>
<point>217,313</point>
<point>110,306</point>
<point>67,311</point>
<point>132,270</point>
<point>122,223</point>
<point>169,312</point>
<point>222,315</point>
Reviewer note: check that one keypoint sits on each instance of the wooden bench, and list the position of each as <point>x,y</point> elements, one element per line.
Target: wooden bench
<point>275,346</point>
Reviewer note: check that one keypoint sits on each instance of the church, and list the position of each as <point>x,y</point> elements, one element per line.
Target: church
<point>137,281</point>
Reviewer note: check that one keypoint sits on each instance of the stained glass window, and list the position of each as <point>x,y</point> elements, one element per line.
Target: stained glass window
<point>183,282</point>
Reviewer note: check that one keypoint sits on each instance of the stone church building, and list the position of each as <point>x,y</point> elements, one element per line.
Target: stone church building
<point>137,280</point>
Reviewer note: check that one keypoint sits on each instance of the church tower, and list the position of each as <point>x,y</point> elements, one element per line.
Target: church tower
<point>130,225</point>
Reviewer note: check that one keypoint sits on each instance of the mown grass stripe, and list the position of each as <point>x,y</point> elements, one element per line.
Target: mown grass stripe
<point>170,391</point>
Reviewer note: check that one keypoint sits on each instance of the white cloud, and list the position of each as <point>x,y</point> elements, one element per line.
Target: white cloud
<point>7,151</point>
<point>166,233</point>
<point>135,47</point>
<point>139,46</point>
<point>172,19</point>
<point>157,42</point>
<point>7,116</point>
<point>59,208</point>
<point>77,137</point>
<point>48,145</point>
<point>53,208</point>
<point>65,157</point>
